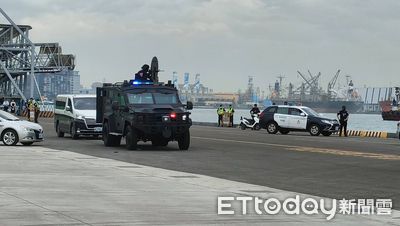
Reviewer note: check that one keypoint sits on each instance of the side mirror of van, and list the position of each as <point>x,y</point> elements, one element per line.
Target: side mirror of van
<point>189,105</point>
<point>115,105</point>
<point>303,114</point>
<point>68,108</point>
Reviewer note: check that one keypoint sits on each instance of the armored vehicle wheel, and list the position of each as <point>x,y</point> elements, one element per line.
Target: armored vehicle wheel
<point>184,141</point>
<point>110,140</point>
<point>131,138</point>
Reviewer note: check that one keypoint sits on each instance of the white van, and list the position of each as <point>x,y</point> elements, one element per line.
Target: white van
<point>76,115</point>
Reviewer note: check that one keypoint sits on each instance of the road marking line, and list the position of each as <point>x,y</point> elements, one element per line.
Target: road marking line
<point>313,149</point>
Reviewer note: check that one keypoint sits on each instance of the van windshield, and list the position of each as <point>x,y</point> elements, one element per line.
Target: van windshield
<point>85,103</point>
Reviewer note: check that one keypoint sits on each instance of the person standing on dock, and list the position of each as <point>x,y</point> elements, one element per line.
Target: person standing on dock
<point>343,116</point>
<point>230,112</point>
<point>30,109</point>
<point>6,105</point>
<point>221,112</point>
<point>36,108</point>
<point>13,107</point>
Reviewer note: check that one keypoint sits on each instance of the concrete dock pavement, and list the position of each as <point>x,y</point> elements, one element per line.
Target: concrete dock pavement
<point>43,186</point>
<point>334,167</point>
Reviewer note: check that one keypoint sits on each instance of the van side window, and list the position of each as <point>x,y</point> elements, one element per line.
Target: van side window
<point>70,103</point>
<point>60,105</point>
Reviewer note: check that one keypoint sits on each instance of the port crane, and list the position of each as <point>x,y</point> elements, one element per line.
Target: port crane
<point>20,59</point>
<point>332,84</point>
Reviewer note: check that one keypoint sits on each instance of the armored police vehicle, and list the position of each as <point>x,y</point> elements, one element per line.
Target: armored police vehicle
<point>284,118</point>
<point>143,111</point>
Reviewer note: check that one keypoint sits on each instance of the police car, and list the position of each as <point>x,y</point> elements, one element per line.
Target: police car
<point>284,118</point>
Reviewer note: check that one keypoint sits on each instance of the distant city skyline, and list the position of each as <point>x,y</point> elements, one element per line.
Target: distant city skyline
<point>223,40</point>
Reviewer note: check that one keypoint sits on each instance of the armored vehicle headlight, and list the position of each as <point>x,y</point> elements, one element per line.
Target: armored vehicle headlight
<point>184,117</point>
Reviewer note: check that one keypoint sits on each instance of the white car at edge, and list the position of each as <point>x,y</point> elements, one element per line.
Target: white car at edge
<point>14,130</point>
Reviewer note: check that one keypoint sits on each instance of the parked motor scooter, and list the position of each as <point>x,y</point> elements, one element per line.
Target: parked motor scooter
<point>252,123</point>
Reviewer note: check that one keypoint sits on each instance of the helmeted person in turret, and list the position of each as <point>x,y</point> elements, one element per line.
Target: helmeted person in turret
<point>144,74</point>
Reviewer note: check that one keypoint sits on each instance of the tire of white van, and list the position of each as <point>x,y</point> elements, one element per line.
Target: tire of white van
<point>314,130</point>
<point>272,127</point>
<point>110,140</point>
<point>74,134</point>
<point>58,130</point>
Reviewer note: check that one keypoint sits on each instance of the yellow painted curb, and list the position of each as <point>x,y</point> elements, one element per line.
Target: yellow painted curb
<point>365,133</point>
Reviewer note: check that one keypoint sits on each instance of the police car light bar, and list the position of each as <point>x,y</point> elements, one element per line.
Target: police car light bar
<point>136,82</point>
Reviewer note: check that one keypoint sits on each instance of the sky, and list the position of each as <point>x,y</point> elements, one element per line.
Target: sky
<point>225,41</point>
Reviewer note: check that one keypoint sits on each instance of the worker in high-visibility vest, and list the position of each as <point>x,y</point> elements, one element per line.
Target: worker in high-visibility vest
<point>230,112</point>
<point>36,108</point>
<point>30,109</point>
<point>220,112</point>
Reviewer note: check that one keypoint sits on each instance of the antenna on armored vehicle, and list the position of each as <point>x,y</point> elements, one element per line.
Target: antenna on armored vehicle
<point>154,69</point>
